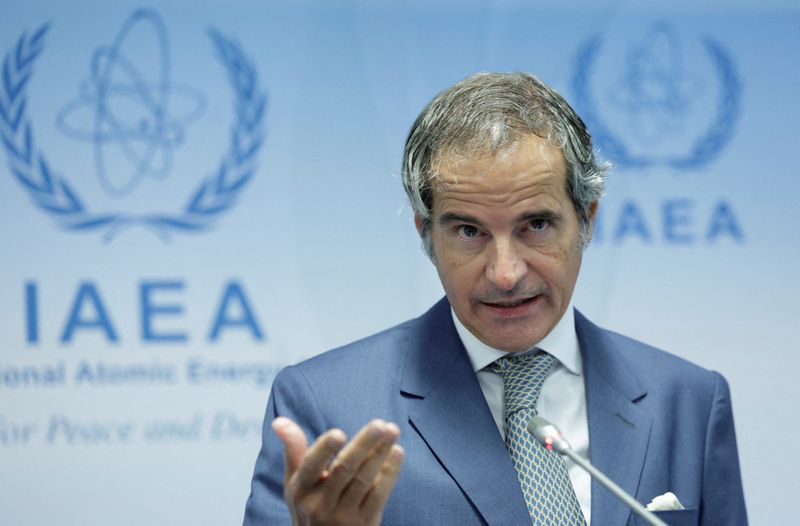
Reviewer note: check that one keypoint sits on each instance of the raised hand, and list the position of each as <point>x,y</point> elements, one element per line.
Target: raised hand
<point>336,482</point>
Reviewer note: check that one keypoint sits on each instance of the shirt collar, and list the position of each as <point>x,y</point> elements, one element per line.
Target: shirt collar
<point>561,342</point>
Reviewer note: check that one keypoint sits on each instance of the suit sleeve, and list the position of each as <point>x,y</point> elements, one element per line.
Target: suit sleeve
<point>291,396</point>
<point>723,497</point>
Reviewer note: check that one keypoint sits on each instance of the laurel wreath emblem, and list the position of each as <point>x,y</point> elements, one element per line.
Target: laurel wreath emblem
<point>53,194</point>
<point>705,148</point>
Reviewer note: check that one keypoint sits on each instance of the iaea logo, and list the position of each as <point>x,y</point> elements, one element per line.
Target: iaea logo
<point>133,119</point>
<point>657,100</point>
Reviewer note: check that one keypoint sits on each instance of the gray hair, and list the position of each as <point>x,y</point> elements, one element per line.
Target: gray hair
<point>489,112</point>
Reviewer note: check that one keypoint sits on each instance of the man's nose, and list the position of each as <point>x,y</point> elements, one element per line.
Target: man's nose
<point>506,266</point>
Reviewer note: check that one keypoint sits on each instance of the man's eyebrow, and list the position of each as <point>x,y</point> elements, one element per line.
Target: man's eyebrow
<point>539,214</point>
<point>453,217</point>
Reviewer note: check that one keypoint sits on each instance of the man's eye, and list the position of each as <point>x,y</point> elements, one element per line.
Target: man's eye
<point>468,231</point>
<point>539,225</point>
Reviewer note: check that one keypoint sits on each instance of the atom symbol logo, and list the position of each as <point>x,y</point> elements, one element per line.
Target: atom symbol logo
<point>655,91</point>
<point>658,95</point>
<point>136,117</point>
<point>126,116</point>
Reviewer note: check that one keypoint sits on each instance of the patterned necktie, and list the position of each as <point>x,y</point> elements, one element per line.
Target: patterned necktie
<point>542,474</point>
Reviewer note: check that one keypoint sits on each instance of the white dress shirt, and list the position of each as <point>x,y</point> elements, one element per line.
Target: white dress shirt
<point>562,399</point>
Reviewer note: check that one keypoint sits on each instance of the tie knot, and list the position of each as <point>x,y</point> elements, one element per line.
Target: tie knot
<point>523,376</point>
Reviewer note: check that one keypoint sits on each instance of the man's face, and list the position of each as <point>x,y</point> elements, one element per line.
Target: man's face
<point>505,238</point>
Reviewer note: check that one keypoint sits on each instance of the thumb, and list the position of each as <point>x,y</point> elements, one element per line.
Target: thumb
<point>294,441</point>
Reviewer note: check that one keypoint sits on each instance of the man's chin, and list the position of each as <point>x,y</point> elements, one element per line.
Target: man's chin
<point>512,327</point>
<point>512,339</point>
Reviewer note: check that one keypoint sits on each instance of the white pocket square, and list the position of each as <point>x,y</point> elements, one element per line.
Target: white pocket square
<point>667,501</point>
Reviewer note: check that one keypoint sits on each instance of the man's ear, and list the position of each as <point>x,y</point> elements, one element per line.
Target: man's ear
<point>593,212</point>
<point>593,217</point>
<point>418,222</point>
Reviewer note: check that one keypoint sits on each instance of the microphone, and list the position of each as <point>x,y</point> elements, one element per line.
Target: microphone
<point>550,437</point>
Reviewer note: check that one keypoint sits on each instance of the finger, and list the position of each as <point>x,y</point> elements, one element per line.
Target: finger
<point>313,466</point>
<point>364,478</point>
<point>375,501</point>
<point>349,460</point>
<point>294,441</point>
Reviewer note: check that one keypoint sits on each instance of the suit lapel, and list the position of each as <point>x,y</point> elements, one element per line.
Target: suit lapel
<point>448,410</point>
<point>619,430</point>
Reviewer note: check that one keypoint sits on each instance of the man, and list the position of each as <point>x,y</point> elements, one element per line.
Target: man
<point>504,184</point>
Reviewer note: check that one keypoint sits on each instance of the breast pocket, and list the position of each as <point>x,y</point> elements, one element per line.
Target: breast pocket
<point>687,517</point>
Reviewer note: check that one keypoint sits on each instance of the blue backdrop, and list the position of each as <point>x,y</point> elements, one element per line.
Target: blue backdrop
<point>195,196</point>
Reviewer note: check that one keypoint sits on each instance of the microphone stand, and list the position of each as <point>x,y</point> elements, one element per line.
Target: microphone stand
<point>550,436</point>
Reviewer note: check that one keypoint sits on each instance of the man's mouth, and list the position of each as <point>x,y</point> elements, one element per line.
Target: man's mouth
<point>509,304</point>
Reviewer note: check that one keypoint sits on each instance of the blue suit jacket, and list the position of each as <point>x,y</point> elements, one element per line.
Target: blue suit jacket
<point>656,423</point>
